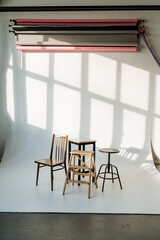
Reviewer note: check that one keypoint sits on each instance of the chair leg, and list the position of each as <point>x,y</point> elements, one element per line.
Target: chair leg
<point>38,166</point>
<point>51,179</point>
<point>68,171</point>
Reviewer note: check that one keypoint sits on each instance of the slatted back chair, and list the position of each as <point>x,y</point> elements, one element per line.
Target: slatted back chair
<point>57,157</point>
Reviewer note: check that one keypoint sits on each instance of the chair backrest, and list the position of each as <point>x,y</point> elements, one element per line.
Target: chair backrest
<point>59,148</point>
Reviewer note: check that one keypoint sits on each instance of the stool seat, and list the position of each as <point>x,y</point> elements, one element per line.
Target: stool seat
<point>82,140</point>
<point>109,150</point>
<point>82,153</point>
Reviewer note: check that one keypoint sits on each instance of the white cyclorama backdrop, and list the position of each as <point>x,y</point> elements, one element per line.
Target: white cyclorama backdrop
<point>110,97</point>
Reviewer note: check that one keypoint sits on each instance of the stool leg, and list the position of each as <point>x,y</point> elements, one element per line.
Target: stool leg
<point>65,168</point>
<point>112,173</point>
<point>99,170</point>
<point>67,176</point>
<point>83,159</point>
<point>104,177</point>
<point>94,149</point>
<point>69,156</point>
<point>79,164</point>
<point>118,177</point>
<point>90,170</point>
<point>73,169</point>
<point>94,171</point>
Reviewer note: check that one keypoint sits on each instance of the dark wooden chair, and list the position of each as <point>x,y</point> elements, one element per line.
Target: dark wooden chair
<point>57,157</point>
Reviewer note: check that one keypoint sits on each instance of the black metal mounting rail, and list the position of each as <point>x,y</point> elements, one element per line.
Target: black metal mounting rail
<point>80,8</point>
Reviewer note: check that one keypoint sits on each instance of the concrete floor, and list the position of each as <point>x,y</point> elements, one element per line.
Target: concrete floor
<point>78,226</point>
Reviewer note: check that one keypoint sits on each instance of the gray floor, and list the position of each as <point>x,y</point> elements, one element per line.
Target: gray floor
<point>78,226</point>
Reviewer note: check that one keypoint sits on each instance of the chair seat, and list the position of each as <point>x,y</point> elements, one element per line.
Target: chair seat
<point>47,162</point>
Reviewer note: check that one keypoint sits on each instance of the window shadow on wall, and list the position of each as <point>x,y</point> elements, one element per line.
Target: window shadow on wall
<point>107,97</point>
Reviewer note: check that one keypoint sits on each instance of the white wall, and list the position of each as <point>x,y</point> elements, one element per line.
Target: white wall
<point>110,97</point>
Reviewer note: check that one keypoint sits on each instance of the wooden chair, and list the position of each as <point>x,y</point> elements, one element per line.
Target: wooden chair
<point>57,157</point>
<point>85,169</point>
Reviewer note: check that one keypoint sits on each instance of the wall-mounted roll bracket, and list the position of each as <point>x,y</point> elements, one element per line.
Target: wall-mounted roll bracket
<point>76,34</point>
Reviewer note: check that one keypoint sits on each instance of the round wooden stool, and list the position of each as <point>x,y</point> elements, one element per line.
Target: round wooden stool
<point>108,170</point>
<point>84,169</point>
